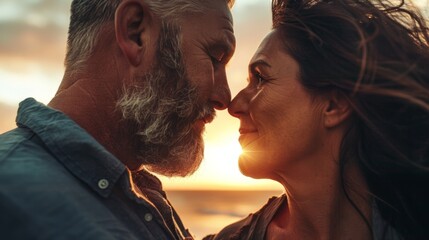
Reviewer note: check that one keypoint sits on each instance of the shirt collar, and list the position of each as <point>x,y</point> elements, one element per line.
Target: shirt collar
<point>79,152</point>
<point>145,180</point>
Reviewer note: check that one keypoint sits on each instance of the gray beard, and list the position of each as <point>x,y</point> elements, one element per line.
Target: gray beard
<point>164,112</point>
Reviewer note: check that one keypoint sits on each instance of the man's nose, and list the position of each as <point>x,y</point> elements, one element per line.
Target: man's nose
<point>221,94</point>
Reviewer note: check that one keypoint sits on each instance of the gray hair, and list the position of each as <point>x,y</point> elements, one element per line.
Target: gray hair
<point>88,16</point>
<point>163,112</point>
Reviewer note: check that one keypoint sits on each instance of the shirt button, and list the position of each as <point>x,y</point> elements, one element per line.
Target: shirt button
<point>103,184</point>
<point>148,217</point>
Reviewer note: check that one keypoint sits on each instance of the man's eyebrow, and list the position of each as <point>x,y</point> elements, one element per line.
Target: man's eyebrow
<point>229,40</point>
<point>258,63</point>
<point>229,20</point>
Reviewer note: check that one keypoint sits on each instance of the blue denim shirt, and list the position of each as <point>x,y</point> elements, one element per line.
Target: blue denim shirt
<point>57,182</point>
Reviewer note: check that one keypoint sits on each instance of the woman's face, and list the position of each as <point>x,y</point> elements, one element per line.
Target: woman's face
<point>280,121</point>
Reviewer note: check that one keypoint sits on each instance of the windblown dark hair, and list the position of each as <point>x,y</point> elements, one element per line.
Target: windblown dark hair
<point>376,54</point>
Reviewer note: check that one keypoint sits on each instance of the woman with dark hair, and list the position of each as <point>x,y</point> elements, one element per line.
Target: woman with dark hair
<point>337,111</point>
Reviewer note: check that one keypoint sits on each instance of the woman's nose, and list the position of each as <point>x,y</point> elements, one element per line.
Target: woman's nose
<point>238,105</point>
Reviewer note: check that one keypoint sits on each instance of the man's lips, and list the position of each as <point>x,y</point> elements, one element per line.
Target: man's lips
<point>208,119</point>
<point>206,115</point>
<point>204,120</point>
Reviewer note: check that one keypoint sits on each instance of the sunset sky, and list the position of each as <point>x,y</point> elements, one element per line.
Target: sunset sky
<point>32,47</point>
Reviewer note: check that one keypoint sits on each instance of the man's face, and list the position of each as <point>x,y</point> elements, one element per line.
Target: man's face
<point>208,45</point>
<point>180,94</point>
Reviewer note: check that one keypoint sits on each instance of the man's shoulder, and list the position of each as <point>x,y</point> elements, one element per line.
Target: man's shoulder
<point>39,196</point>
<point>11,140</point>
<point>20,148</point>
<point>25,161</point>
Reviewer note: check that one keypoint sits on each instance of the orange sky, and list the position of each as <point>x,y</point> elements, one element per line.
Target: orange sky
<point>32,46</point>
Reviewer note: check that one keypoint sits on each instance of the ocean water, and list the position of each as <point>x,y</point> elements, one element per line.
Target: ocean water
<point>206,212</point>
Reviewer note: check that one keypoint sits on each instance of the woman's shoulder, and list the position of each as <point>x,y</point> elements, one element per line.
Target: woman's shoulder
<point>253,226</point>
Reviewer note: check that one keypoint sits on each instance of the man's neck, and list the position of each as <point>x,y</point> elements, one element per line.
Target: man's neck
<point>92,105</point>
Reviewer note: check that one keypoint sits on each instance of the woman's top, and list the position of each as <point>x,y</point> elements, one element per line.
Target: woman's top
<point>255,225</point>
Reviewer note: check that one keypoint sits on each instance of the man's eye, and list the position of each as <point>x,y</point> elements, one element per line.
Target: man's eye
<point>218,57</point>
<point>260,80</point>
<point>215,60</point>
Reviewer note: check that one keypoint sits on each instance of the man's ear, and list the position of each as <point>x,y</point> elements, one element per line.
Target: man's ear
<point>337,110</point>
<point>133,20</point>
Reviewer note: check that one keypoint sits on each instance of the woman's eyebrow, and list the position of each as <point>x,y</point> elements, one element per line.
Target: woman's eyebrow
<point>259,63</point>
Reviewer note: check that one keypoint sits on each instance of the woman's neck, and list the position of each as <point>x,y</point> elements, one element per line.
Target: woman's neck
<point>318,207</point>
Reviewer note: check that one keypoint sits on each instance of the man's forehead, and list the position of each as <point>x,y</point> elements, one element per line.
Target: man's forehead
<point>214,26</point>
<point>220,6</point>
<point>213,18</point>
<point>212,3</point>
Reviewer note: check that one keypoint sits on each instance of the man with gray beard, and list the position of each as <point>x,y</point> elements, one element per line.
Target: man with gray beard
<point>142,79</point>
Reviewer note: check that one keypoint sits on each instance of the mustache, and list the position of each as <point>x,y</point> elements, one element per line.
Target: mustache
<point>207,113</point>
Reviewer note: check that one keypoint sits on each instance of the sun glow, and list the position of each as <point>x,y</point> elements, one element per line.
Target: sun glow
<point>219,169</point>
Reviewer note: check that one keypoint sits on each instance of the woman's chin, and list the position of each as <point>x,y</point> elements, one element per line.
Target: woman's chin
<point>250,167</point>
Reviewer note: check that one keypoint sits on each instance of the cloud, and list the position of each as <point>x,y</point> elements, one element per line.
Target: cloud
<point>33,31</point>
<point>23,41</point>
<point>50,10</point>
<point>32,49</point>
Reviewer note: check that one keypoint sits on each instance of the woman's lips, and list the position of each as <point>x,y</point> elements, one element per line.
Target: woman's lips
<point>247,136</point>
<point>246,130</point>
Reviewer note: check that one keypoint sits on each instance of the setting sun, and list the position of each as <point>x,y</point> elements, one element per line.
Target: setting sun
<point>219,169</point>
